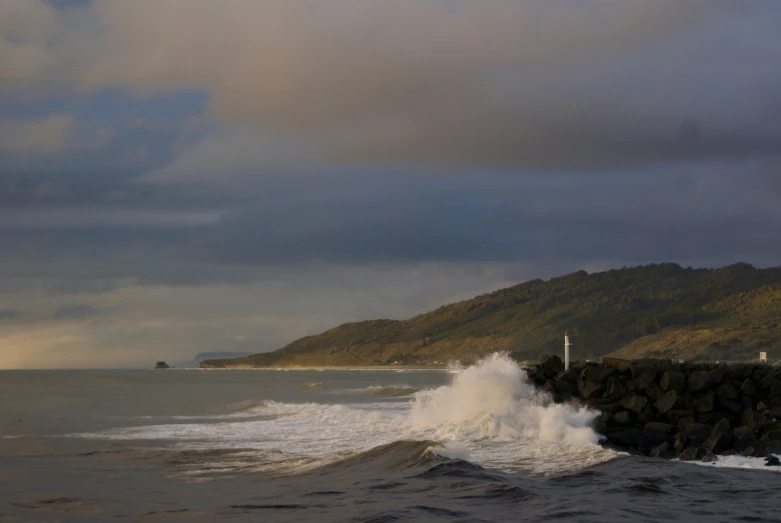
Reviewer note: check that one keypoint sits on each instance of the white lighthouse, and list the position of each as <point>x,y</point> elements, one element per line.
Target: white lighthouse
<point>567,345</point>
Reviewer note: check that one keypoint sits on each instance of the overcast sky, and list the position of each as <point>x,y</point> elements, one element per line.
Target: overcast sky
<point>179,176</point>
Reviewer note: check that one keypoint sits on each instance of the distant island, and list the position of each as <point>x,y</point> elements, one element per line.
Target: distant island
<point>660,311</point>
<point>196,361</point>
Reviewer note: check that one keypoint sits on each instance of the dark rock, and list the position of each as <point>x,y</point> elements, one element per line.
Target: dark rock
<point>673,380</point>
<point>699,433</point>
<point>636,404</point>
<point>622,417</point>
<point>624,437</point>
<point>742,432</point>
<point>772,461</point>
<point>699,380</point>
<point>566,388</point>
<point>589,389</point>
<point>535,374</point>
<point>773,435</point>
<point>726,392</point>
<point>687,400</point>
<point>746,403</point>
<point>722,427</point>
<point>750,418</point>
<point>759,373</point>
<point>773,446</point>
<point>657,432</point>
<point>654,392</point>
<point>748,388</point>
<point>718,375</point>
<point>570,375</point>
<point>666,402</point>
<point>681,442</point>
<point>552,365</point>
<point>705,402</point>
<point>705,455</point>
<point>689,454</point>
<point>662,451</point>
<point>615,388</point>
<point>718,443</point>
<point>767,382</point>
<point>748,446</point>
<point>675,416</point>
<point>741,372</point>
<point>732,406</point>
<point>643,374</point>
<point>598,373</point>
<point>604,405</point>
<point>162,365</point>
<point>617,363</point>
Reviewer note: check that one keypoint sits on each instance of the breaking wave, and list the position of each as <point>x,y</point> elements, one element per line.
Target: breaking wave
<point>489,415</point>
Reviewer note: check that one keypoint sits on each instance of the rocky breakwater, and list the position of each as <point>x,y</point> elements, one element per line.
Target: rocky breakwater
<point>690,411</point>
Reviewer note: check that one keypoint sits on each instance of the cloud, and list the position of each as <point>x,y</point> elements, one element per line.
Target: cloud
<point>35,137</point>
<point>535,84</point>
<point>75,311</point>
<point>8,314</point>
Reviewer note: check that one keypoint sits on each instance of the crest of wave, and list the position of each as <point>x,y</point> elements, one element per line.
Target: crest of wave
<point>493,400</point>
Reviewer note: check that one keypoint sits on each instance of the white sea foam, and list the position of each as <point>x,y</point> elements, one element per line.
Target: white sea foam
<point>489,414</point>
<point>737,462</point>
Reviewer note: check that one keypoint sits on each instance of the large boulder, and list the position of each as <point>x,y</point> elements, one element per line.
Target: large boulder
<point>697,432</point>
<point>624,437</point>
<point>565,388</point>
<point>699,380</point>
<point>718,375</point>
<point>726,392</point>
<point>636,404</point>
<point>741,372</point>
<point>615,388</point>
<point>657,432</point>
<point>705,401</point>
<point>570,375</point>
<point>617,363</point>
<point>598,373</point>
<point>666,402</point>
<point>673,380</point>
<point>643,374</point>
<point>590,389</point>
<point>552,365</point>
<point>748,388</point>
<point>696,454</point>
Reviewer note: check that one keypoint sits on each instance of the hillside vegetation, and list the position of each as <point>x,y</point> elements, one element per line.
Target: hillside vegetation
<point>659,310</point>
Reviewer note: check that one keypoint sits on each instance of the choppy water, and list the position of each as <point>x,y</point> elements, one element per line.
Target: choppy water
<point>475,445</point>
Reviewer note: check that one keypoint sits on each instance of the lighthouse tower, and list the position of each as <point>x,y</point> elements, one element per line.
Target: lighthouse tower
<point>567,345</point>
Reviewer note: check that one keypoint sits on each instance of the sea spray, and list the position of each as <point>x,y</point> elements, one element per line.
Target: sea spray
<point>493,400</point>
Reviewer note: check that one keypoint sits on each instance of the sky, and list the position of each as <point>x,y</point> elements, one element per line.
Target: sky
<point>179,176</point>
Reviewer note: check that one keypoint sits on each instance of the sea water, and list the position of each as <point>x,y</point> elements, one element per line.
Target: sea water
<point>473,444</point>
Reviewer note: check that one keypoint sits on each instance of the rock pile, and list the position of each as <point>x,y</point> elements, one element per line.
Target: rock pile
<point>658,408</point>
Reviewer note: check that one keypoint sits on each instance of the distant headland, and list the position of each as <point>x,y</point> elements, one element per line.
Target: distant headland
<point>653,311</point>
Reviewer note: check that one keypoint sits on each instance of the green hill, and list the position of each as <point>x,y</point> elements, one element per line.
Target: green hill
<point>650,311</point>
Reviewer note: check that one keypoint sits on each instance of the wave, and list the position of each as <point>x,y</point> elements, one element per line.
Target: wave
<point>247,405</point>
<point>493,400</point>
<point>311,386</point>
<point>488,415</point>
<point>393,391</point>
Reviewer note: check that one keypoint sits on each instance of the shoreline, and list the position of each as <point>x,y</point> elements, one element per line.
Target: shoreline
<point>329,367</point>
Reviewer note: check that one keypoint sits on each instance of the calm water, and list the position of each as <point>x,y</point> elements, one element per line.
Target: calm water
<point>474,445</point>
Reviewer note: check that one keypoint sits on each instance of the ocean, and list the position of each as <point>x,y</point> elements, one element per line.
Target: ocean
<point>471,444</point>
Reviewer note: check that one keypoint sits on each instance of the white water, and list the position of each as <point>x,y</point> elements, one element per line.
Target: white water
<point>489,414</point>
